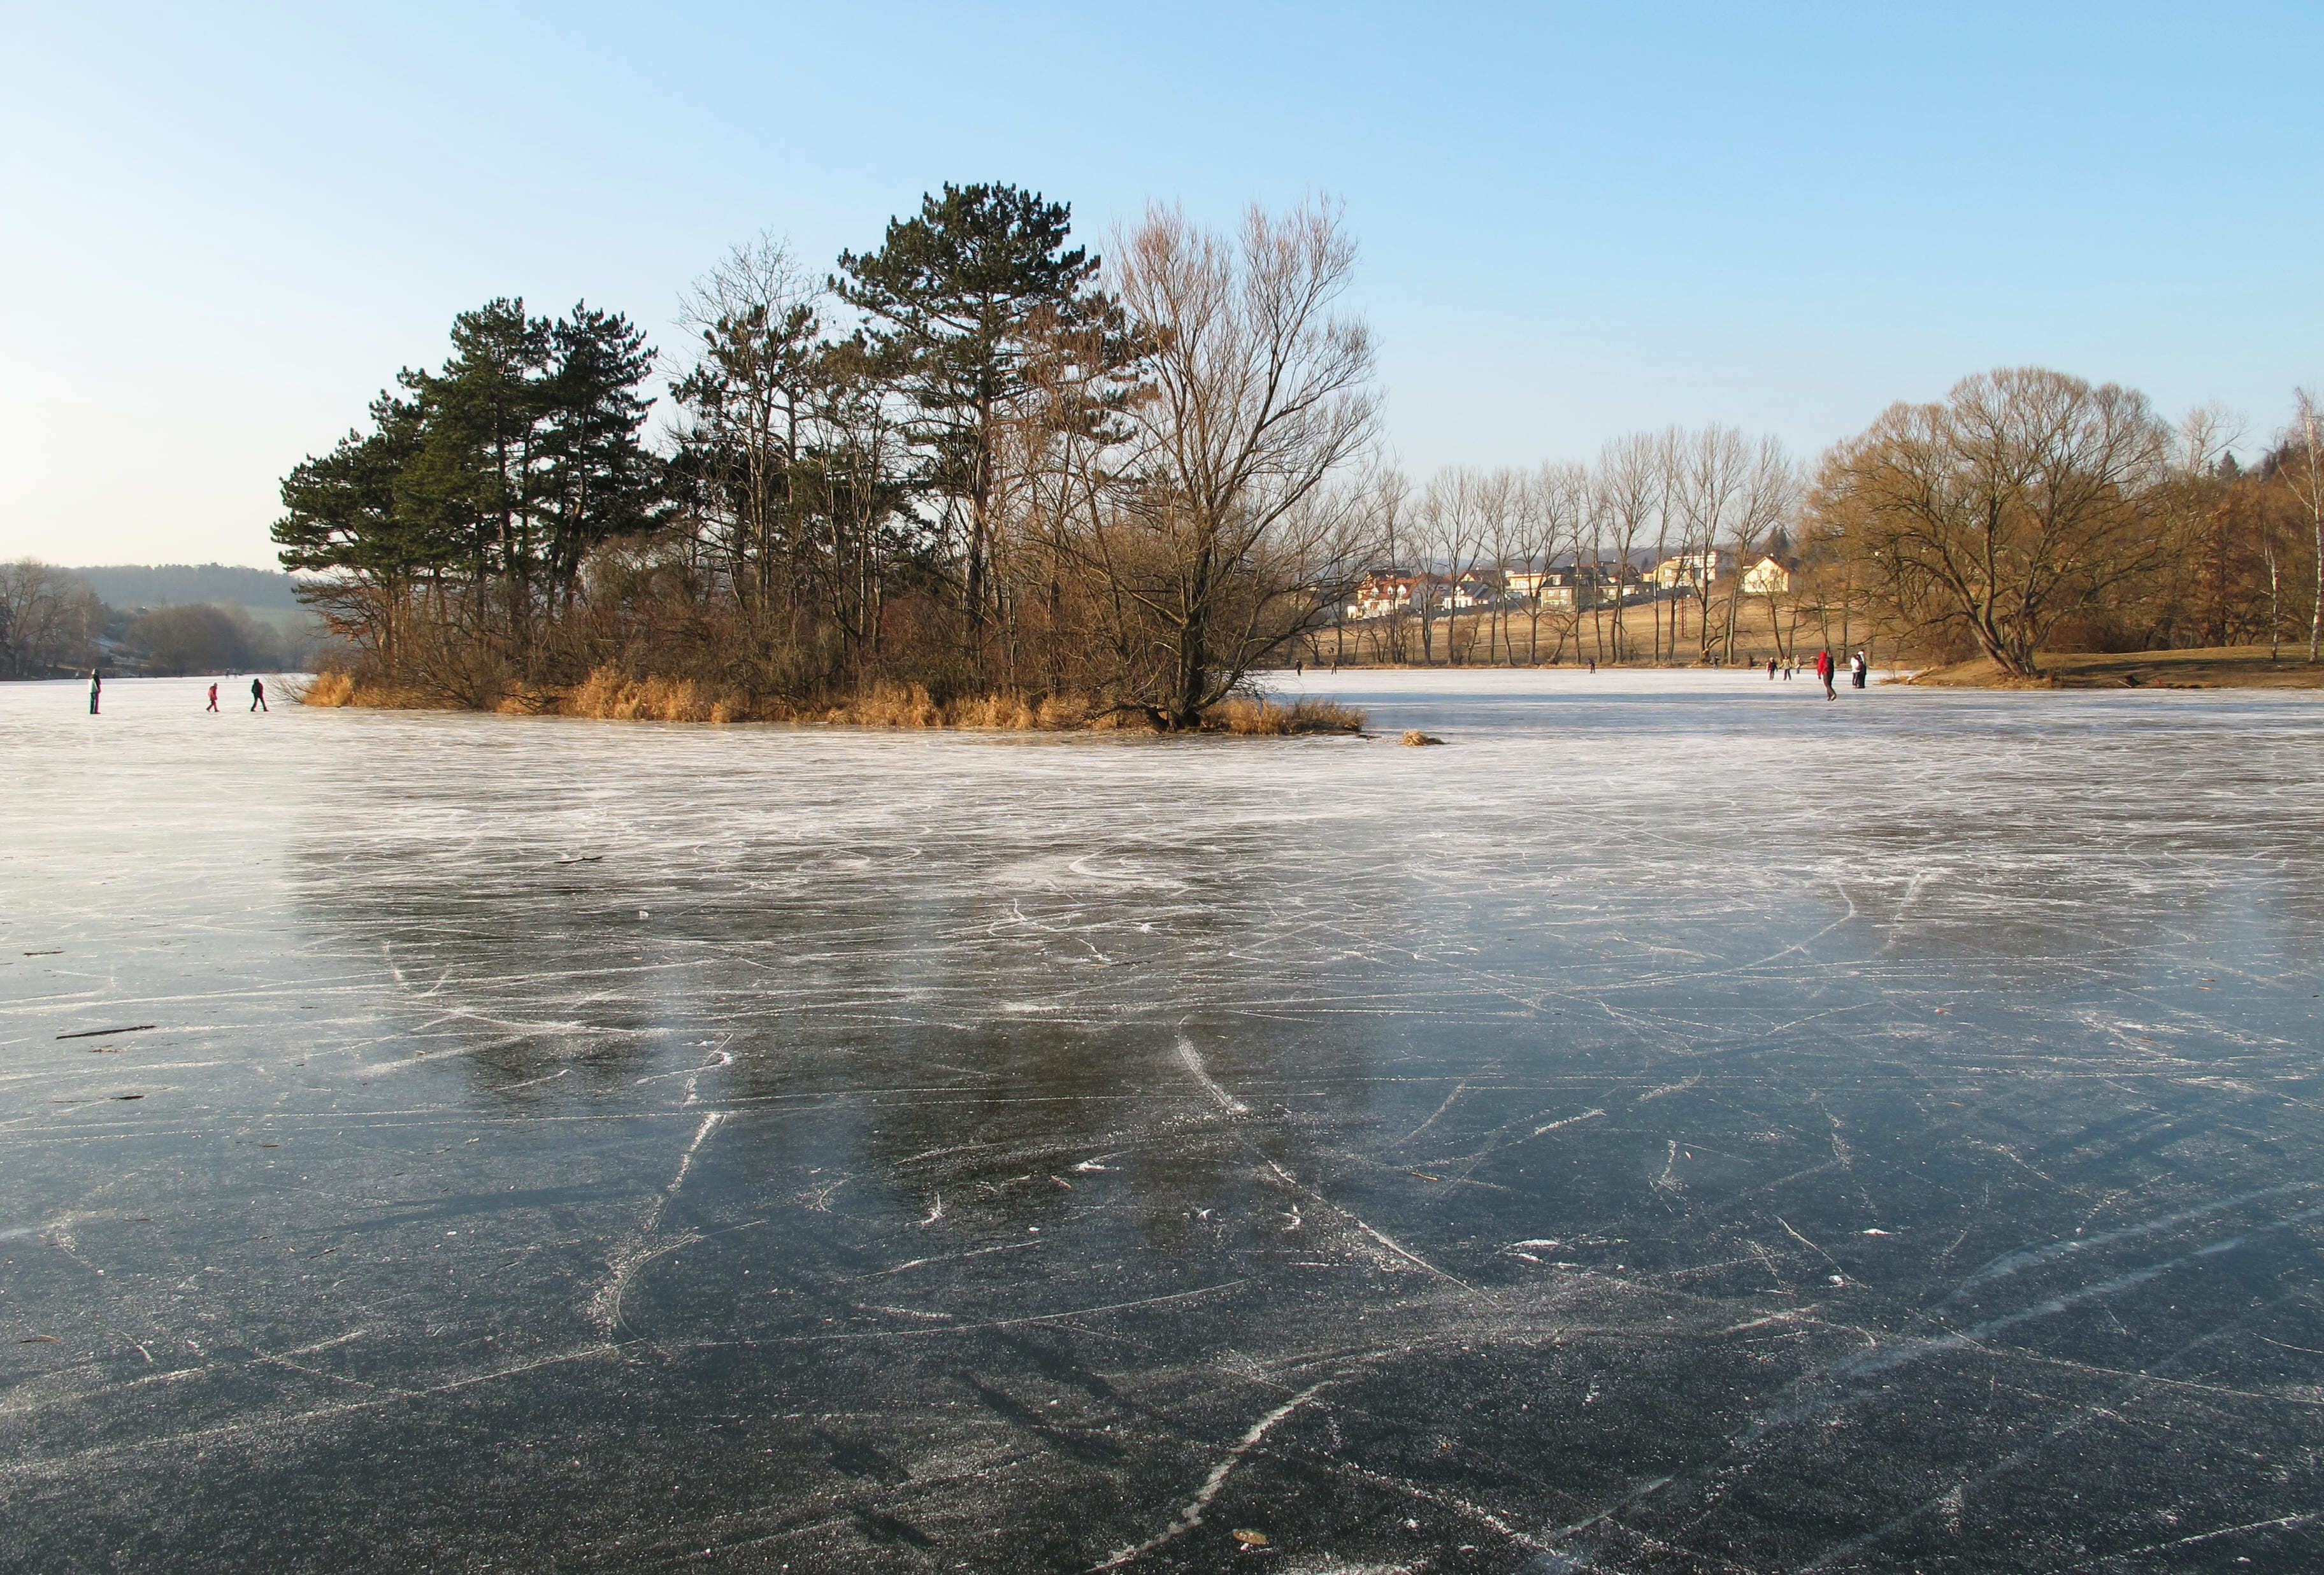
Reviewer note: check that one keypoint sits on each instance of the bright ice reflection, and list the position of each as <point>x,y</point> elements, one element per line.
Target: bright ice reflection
<point>1682,1125</point>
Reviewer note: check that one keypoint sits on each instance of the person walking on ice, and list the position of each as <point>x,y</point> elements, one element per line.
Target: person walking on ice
<point>257,695</point>
<point>1857,669</point>
<point>96,689</point>
<point>1825,666</point>
<point>213,705</point>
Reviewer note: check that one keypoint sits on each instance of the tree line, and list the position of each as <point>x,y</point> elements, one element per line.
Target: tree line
<point>49,622</point>
<point>2028,511</point>
<point>1564,556</point>
<point>980,460</point>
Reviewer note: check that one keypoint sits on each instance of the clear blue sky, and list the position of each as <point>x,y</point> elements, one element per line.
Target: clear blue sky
<point>221,230</point>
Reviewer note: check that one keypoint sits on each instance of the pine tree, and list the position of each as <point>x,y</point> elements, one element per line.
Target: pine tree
<point>478,473</point>
<point>962,299</point>
<point>598,482</point>
<point>343,518</point>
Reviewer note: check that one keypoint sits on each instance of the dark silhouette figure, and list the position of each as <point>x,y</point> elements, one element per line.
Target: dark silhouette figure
<point>1771,670</point>
<point>1825,666</point>
<point>96,689</point>
<point>257,696</point>
<point>213,705</point>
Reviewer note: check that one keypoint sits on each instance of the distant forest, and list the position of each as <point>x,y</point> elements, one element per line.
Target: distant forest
<point>169,618</point>
<point>181,584</point>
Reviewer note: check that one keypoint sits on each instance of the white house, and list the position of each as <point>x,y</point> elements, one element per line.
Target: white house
<point>1694,570</point>
<point>1767,578</point>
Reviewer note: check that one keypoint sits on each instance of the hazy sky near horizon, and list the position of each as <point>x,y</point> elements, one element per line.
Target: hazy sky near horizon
<point>227,228</point>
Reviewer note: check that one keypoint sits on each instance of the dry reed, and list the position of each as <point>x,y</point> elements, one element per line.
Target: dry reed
<point>332,689</point>
<point>609,696</point>
<point>886,704</point>
<point>612,695</point>
<point>1265,719</point>
<point>336,689</point>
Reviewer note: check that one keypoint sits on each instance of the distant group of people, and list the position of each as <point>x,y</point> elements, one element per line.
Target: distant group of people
<point>1859,670</point>
<point>257,694</point>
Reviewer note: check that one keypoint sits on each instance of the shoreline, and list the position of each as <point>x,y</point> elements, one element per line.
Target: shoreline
<point>605,696</point>
<point>2236,666</point>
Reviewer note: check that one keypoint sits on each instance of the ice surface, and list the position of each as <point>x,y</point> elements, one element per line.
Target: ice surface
<point>1685,1125</point>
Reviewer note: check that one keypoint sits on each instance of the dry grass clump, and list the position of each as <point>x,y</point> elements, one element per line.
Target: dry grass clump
<point>1265,719</point>
<point>912,706</point>
<point>1065,711</point>
<point>610,696</point>
<point>1327,716</point>
<point>888,705</point>
<point>1113,719</point>
<point>1007,712</point>
<point>1418,738</point>
<point>334,689</point>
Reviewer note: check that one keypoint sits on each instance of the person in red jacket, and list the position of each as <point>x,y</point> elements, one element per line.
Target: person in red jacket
<point>1824,670</point>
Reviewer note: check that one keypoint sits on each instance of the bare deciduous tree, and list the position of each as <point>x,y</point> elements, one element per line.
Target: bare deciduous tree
<point>1706,477</point>
<point>47,619</point>
<point>1766,494</point>
<point>1452,517</point>
<point>1228,542</point>
<point>2303,472</point>
<point>1557,497</point>
<point>2023,498</point>
<point>747,408</point>
<point>1507,529</point>
<point>1630,485</point>
<point>1395,541</point>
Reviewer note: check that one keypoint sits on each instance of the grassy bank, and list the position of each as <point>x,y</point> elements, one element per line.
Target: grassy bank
<point>2235,667</point>
<point>610,697</point>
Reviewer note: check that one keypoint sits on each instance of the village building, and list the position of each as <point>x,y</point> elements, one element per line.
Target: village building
<point>1543,587</point>
<point>1565,587</point>
<point>1384,591</point>
<point>1577,584</point>
<point>1697,571</point>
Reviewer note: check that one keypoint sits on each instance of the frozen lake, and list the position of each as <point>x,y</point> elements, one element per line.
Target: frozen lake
<point>1683,1125</point>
